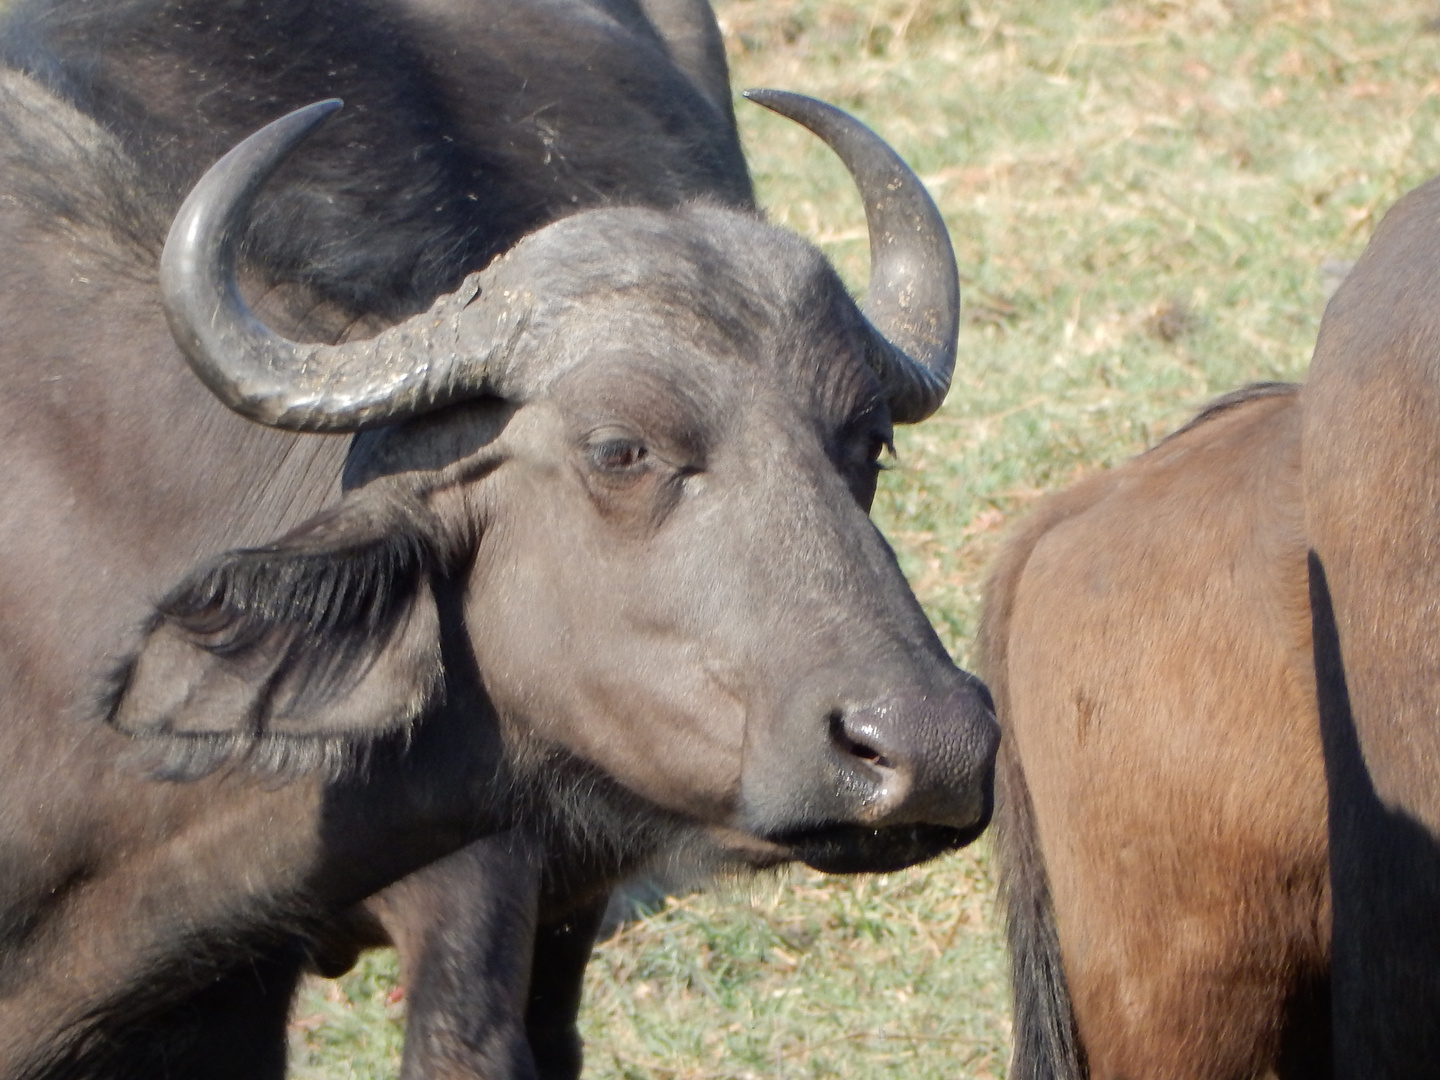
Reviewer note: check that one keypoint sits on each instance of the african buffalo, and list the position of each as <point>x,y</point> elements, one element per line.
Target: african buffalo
<point>1160,803</point>
<point>1371,447</point>
<point>593,557</point>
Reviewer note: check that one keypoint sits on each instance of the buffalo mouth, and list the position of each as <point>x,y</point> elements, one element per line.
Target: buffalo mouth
<point>851,849</point>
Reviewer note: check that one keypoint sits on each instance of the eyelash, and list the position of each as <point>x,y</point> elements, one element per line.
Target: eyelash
<point>877,451</point>
<point>618,455</point>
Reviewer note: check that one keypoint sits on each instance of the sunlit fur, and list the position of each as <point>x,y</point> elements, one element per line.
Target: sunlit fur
<point>1161,808</point>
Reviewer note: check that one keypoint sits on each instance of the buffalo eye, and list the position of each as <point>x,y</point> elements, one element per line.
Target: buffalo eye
<point>866,451</point>
<point>879,444</point>
<point>618,457</point>
<point>861,463</point>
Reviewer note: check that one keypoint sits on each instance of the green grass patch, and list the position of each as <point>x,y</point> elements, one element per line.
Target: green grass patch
<point>801,975</point>
<point>1142,196</point>
<point>352,1028</point>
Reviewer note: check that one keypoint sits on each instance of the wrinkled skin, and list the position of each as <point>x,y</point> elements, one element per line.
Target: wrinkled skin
<point>641,597</point>
<point>622,511</point>
<point>1160,822</point>
<point>1372,469</point>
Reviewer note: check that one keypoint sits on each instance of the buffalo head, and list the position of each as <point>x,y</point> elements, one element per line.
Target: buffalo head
<point>627,468</point>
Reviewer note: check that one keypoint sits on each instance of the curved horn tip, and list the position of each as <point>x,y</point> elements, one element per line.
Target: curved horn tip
<point>207,317</point>
<point>782,101</point>
<point>321,109</point>
<point>913,303</point>
<point>406,370</point>
<point>228,186</point>
<point>295,126</point>
<point>761,95</point>
<point>811,113</point>
<point>289,131</point>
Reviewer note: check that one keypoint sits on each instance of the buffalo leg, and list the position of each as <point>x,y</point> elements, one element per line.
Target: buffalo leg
<point>465,930</point>
<point>491,995</point>
<point>557,981</point>
<point>493,944</point>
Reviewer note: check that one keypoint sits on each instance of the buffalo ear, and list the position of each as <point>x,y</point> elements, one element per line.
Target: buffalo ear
<point>294,655</point>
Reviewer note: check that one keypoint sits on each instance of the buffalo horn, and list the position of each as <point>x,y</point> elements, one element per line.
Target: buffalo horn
<point>913,303</point>
<point>413,367</point>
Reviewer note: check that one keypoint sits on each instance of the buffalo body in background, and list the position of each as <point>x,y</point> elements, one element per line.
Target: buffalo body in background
<point>1371,448</point>
<point>1160,818</point>
<point>1344,482</point>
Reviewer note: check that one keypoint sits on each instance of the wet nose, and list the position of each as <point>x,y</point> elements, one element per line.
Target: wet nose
<point>908,758</point>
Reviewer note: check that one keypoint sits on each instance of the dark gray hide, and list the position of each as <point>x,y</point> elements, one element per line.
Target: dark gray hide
<point>493,945</point>
<point>637,594</point>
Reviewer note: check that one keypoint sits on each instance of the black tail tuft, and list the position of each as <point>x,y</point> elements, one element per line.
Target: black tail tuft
<point>1046,1045</point>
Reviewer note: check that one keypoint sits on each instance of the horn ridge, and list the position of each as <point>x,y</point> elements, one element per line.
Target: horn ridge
<point>913,302</point>
<point>412,367</point>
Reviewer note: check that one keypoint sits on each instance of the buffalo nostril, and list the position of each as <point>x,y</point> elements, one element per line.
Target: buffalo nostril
<point>850,745</point>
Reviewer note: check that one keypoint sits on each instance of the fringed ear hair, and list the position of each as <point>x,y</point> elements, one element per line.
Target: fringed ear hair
<point>294,657</point>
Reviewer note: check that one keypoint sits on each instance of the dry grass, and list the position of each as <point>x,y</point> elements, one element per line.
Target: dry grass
<point>1100,165</point>
<point>1142,194</point>
<point>803,975</point>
